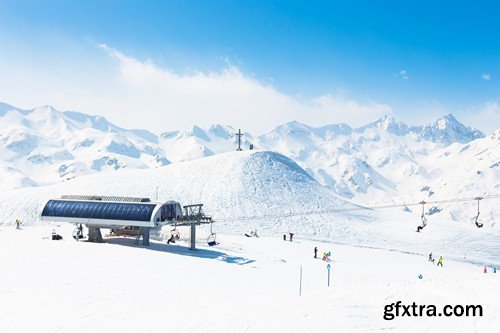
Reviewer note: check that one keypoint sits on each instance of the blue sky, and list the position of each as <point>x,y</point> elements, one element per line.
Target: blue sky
<point>331,61</point>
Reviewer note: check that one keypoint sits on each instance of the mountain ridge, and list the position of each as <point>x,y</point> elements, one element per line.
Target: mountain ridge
<point>383,159</point>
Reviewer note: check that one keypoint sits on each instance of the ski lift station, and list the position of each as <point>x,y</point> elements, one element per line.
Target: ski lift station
<point>143,215</point>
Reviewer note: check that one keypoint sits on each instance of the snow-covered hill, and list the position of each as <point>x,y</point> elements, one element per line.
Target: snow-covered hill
<point>384,161</point>
<point>231,185</point>
<point>267,191</point>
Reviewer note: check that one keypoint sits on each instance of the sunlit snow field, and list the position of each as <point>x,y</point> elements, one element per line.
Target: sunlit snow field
<point>244,284</point>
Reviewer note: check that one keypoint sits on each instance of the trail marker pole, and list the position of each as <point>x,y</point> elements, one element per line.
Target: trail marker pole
<point>300,283</point>
<point>328,269</point>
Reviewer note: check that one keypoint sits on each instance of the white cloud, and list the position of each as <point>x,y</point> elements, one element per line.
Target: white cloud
<point>403,74</point>
<point>160,99</point>
<point>488,116</point>
<point>486,76</point>
<point>141,94</point>
<point>485,117</point>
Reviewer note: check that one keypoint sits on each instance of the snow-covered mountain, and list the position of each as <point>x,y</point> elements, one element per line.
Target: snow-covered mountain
<point>43,146</point>
<point>231,185</point>
<point>384,161</point>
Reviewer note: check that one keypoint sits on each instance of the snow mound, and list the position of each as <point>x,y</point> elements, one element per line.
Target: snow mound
<point>233,187</point>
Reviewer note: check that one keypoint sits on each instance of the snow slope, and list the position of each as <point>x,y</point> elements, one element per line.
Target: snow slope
<point>243,285</point>
<point>231,185</point>
<point>269,192</point>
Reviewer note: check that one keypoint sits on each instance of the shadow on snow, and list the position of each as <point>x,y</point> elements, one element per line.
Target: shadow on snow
<point>181,250</point>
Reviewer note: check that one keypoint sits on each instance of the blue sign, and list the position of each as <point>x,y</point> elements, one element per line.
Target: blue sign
<point>328,267</point>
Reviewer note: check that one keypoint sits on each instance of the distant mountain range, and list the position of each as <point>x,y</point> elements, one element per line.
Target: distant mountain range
<point>384,161</point>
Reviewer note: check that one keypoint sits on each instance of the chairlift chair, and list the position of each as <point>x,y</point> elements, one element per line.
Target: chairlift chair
<point>78,232</point>
<point>212,238</point>
<point>175,233</point>
<point>422,217</point>
<point>476,218</point>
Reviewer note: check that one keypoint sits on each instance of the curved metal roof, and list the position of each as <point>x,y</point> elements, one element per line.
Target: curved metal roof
<point>126,211</point>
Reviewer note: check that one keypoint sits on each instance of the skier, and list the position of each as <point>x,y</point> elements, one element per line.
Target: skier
<point>440,261</point>
<point>291,236</point>
<point>315,252</point>
<point>430,257</point>
<point>284,237</point>
<point>18,223</point>
<point>424,223</point>
<point>485,270</point>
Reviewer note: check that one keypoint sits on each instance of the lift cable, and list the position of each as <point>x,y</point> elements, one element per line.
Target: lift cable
<point>358,208</point>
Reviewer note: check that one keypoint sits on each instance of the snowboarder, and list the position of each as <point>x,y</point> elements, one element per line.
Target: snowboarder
<point>291,236</point>
<point>18,223</point>
<point>284,237</point>
<point>424,223</point>
<point>430,257</point>
<point>315,252</point>
<point>485,270</point>
<point>440,261</point>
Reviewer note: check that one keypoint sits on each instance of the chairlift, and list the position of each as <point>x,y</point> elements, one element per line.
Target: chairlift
<point>78,232</point>
<point>476,222</point>
<point>212,238</point>
<point>175,233</point>
<point>422,217</point>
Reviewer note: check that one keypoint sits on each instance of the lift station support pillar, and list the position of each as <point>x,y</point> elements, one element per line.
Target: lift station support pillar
<point>95,235</point>
<point>193,237</point>
<point>145,236</point>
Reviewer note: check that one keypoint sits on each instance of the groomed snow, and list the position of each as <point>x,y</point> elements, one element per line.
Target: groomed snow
<point>242,285</point>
